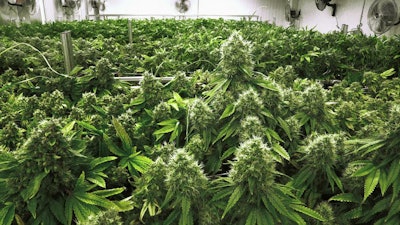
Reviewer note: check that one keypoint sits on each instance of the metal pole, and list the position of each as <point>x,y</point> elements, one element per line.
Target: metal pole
<point>67,50</point>
<point>130,31</point>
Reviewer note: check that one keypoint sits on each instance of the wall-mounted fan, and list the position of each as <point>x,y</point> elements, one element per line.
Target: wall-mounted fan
<point>71,3</point>
<point>321,5</point>
<point>16,2</point>
<point>182,5</point>
<point>68,7</point>
<point>382,15</point>
<point>20,10</point>
<point>291,10</point>
<point>98,4</point>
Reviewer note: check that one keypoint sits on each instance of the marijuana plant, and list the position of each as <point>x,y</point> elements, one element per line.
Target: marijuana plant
<point>128,155</point>
<point>103,218</point>
<point>186,184</point>
<point>236,57</point>
<point>254,194</point>
<point>200,115</point>
<point>49,180</point>
<point>151,89</point>
<point>285,76</point>
<point>197,147</point>
<point>150,189</point>
<point>251,126</point>
<point>322,159</point>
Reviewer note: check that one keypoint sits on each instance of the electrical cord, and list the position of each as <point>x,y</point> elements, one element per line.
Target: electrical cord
<point>37,50</point>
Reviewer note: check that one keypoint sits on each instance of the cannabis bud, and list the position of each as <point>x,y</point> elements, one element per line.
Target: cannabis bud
<point>284,75</point>
<point>236,57</point>
<point>254,165</point>
<point>151,89</point>
<point>196,146</point>
<point>162,112</point>
<point>249,103</point>
<point>201,115</point>
<point>313,100</point>
<point>184,175</point>
<point>104,74</point>
<point>322,150</point>
<point>105,217</point>
<point>250,126</point>
<point>151,186</point>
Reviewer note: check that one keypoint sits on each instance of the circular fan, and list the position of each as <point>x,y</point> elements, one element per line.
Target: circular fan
<point>98,4</point>
<point>382,15</point>
<point>70,3</point>
<point>16,2</point>
<point>321,4</point>
<point>182,5</point>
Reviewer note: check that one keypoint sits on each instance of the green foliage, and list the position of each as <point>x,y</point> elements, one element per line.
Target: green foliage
<point>45,178</point>
<point>129,157</point>
<point>253,182</point>
<point>259,125</point>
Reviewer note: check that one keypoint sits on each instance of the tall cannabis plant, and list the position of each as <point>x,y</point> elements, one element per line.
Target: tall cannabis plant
<point>236,68</point>
<point>255,196</point>
<point>186,184</point>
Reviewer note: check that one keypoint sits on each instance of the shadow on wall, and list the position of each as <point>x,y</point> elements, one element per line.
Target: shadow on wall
<point>18,11</point>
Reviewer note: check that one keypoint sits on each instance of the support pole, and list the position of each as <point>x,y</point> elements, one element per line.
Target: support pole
<point>130,31</point>
<point>344,28</point>
<point>67,50</point>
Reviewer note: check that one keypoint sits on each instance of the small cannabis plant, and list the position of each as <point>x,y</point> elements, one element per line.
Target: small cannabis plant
<point>49,180</point>
<point>322,159</point>
<point>172,191</point>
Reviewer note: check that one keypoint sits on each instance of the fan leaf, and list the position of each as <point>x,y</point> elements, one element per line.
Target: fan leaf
<point>236,195</point>
<point>371,182</point>
<point>345,197</point>
<point>307,211</point>
<point>7,214</point>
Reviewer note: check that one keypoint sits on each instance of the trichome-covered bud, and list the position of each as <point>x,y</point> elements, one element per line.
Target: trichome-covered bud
<point>185,176</point>
<point>201,115</point>
<point>235,57</point>
<point>254,166</point>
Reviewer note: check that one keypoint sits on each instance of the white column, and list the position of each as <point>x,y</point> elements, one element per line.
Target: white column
<point>42,11</point>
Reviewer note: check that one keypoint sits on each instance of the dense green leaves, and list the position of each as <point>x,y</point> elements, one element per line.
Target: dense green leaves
<point>259,125</point>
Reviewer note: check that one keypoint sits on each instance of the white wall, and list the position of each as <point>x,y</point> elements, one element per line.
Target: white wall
<point>167,7</point>
<point>347,12</point>
<point>267,10</point>
<point>350,12</point>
